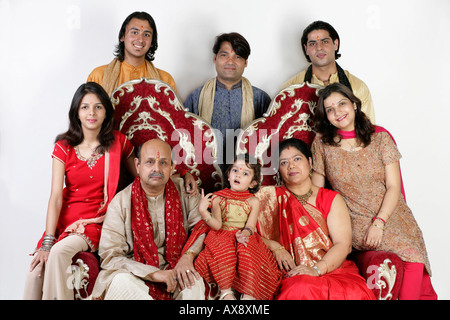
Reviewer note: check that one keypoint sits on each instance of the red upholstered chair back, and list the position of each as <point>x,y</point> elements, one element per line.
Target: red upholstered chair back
<point>147,109</point>
<point>289,116</point>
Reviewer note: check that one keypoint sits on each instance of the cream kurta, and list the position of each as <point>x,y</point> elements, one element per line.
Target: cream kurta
<point>359,88</point>
<point>116,242</point>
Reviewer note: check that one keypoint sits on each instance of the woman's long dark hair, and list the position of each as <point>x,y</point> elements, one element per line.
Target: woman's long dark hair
<point>74,136</point>
<point>363,127</point>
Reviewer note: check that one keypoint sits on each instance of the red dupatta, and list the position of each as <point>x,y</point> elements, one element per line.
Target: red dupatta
<point>112,170</point>
<point>236,195</point>
<point>144,247</point>
<point>303,229</point>
<point>352,135</point>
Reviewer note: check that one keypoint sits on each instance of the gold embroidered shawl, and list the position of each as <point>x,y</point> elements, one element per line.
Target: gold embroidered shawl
<point>112,71</point>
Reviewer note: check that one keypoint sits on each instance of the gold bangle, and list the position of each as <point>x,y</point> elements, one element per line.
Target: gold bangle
<point>279,248</point>
<point>190,252</point>
<point>206,219</point>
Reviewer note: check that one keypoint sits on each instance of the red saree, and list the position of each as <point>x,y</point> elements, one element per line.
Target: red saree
<point>304,233</point>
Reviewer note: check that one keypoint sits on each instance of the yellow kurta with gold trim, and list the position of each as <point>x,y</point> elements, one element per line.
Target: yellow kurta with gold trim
<point>129,72</point>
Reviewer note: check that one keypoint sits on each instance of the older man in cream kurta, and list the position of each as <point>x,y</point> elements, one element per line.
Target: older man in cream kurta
<point>122,276</point>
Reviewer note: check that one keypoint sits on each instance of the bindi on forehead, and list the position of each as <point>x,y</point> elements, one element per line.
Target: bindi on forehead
<point>158,155</point>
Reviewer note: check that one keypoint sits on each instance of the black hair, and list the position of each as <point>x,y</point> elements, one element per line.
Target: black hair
<point>237,41</point>
<point>298,144</point>
<point>120,48</point>
<point>251,163</point>
<point>320,25</point>
<point>363,126</point>
<point>74,135</point>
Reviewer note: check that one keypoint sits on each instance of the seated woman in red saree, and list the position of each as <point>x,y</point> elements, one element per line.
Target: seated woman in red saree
<point>314,233</point>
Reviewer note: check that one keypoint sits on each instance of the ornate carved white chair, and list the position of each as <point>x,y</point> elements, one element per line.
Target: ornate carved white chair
<point>85,268</point>
<point>147,109</point>
<point>290,116</point>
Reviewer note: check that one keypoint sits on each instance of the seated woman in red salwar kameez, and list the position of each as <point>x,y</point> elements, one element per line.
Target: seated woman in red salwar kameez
<point>235,257</point>
<point>87,160</point>
<point>308,229</point>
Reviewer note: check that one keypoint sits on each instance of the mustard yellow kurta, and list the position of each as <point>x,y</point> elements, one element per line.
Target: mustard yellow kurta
<point>129,72</point>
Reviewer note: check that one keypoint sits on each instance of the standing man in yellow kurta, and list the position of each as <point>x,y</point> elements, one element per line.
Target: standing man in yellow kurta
<point>138,41</point>
<point>320,44</point>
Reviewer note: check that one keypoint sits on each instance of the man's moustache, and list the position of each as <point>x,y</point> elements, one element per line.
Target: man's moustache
<point>156,174</point>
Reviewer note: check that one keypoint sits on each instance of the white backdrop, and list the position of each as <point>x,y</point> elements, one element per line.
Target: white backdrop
<point>401,50</point>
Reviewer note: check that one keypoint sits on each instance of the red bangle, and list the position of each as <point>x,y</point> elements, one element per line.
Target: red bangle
<point>375,218</point>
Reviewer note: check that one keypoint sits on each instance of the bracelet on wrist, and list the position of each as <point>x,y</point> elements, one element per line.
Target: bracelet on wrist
<point>207,218</point>
<point>47,242</point>
<point>378,218</point>
<point>317,270</point>
<point>377,226</point>
<point>248,229</point>
<point>190,252</point>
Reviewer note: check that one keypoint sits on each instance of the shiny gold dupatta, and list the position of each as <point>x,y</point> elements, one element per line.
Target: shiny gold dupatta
<point>302,229</point>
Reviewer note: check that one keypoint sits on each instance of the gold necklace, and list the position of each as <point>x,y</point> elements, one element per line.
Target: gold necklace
<point>304,197</point>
